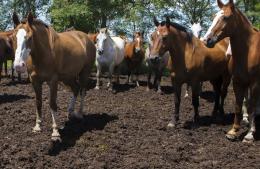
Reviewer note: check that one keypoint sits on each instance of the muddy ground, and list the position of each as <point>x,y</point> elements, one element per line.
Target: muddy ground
<point>123,130</point>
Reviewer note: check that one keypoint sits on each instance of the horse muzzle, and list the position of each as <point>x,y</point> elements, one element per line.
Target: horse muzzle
<point>100,52</point>
<point>210,42</point>
<point>20,67</point>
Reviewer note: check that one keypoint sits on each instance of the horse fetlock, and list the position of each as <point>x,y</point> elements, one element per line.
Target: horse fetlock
<point>232,134</point>
<point>249,138</point>
<point>37,128</point>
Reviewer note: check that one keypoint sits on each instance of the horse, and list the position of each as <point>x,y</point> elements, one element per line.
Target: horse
<point>192,63</point>
<point>93,37</point>
<point>134,56</point>
<point>53,57</point>
<point>110,54</point>
<point>7,53</point>
<point>156,65</point>
<point>245,45</point>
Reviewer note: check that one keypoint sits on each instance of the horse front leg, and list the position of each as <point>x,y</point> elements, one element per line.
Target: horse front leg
<point>110,77</point>
<point>159,78</point>
<point>149,74</point>
<point>53,84</point>
<point>187,91</point>
<point>239,91</point>
<point>37,86</point>
<point>98,76</point>
<point>177,101</point>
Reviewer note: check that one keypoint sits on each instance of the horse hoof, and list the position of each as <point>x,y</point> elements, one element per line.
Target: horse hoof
<point>245,120</point>
<point>231,137</point>
<point>159,92</point>
<point>248,141</point>
<point>56,139</point>
<point>147,89</point>
<point>171,125</point>
<point>186,95</point>
<point>36,129</point>
<point>97,88</point>
<point>114,91</point>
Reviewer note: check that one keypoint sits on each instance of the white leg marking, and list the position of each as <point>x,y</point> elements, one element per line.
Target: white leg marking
<point>55,133</point>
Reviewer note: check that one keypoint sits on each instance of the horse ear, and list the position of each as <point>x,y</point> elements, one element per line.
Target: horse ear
<point>155,21</point>
<point>168,22</point>
<point>231,3</point>
<point>220,4</point>
<point>16,19</point>
<point>30,18</point>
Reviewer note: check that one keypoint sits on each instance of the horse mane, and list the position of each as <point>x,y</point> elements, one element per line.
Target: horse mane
<point>36,22</point>
<point>181,28</point>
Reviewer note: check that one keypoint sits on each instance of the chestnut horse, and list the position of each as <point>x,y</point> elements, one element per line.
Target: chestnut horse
<point>245,45</point>
<point>67,57</point>
<point>134,56</point>
<point>6,52</point>
<point>192,63</point>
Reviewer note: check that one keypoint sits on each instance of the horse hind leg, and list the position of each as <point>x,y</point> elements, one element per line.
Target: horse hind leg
<point>195,102</point>
<point>253,102</point>
<point>98,77</point>
<point>244,109</point>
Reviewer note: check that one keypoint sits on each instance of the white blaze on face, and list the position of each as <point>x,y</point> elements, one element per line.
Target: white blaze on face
<point>215,21</point>
<point>138,48</point>
<point>22,52</point>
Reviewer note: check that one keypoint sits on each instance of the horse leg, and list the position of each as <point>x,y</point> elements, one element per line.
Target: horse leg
<point>217,89</point>
<point>110,77</point>
<point>177,101</point>
<point>5,65</point>
<point>158,81</point>
<point>53,85</point>
<point>239,91</point>
<point>75,88</point>
<point>37,86</point>
<point>244,109</point>
<point>195,101</point>
<point>187,91</point>
<point>98,76</point>
<point>252,108</point>
<point>224,91</point>
<point>148,80</point>
<point>1,68</point>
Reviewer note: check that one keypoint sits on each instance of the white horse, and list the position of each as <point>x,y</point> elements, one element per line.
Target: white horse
<point>110,54</point>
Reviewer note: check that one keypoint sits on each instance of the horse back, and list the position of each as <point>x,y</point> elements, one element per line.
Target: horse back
<point>73,51</point>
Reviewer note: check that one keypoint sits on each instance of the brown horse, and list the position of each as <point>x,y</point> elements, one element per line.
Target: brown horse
<point>67,57</point>
<point>134,55</point>
<point>245,45</point>
<point>6,52</point>
<point>93,37</point>
<point>192,62</point>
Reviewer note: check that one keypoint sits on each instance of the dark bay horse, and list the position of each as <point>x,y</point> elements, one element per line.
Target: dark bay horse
<point>245,46</point>
<point>6,52</point>
<point>192,62</point>
<point>67,57</point>
<point>134,56</point>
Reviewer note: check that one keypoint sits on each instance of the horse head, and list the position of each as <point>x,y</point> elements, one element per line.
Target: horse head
<point>138,41</point>
<point>101,39</point>
<point>223,24</point>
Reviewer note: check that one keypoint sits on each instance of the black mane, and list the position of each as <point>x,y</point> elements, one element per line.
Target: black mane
<point>181,28</point>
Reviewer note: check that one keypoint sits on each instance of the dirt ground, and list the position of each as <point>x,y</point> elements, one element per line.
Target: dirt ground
<point>123,130</point>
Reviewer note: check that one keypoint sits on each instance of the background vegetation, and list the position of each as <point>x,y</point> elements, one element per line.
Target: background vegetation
<point>121,16</point>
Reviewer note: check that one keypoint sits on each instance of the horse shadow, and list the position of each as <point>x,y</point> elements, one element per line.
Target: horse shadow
<point>74,129</point>
<point>14,83</point>
<point>208,95</point>
<point>227,119</point>
<point>9,98</point>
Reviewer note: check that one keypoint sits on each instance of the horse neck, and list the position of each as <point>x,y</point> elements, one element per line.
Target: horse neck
<point>179,44</point>
<point>43,42</point>
<point>240,40</point>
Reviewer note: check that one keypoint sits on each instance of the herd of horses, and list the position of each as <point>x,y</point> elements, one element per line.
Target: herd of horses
<point>228,51</point>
